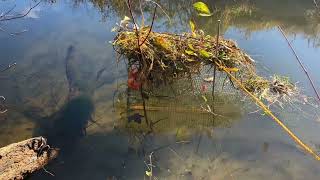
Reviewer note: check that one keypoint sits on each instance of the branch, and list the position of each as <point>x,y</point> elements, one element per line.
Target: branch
<point>153,18</point>
<point>6,18</point>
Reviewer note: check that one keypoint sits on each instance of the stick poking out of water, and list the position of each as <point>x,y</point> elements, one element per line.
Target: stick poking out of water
<point>300,62</point>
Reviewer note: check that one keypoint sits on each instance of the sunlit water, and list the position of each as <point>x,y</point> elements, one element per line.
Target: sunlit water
<point>185,145</point>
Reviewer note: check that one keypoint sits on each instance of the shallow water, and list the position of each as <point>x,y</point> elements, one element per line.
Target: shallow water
<point>186,145</point>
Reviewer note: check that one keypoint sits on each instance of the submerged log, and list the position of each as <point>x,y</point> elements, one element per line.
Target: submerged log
<point>20,159</point>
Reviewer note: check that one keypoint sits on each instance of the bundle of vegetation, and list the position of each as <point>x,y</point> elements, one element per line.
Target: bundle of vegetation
<point>160,58</point>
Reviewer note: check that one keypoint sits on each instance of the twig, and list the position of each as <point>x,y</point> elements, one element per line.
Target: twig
<point>151,166</point>
<point>8,67</point>
<point>301,64</point>
<point>5,18</point>
<point>133,19</point>
<point>144,108</point>
<point>6,13</point>
<point>161,9</point>
<point>5,110</point>
<point>150,29</point>
<point>45,170</point>
<point>270,113</point>
<point>175,153</point>
<point>215,68</point>
<point>142,14</point>
<point>316,4</point>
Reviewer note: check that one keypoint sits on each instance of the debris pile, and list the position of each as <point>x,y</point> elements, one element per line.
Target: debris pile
<point>160,58</point>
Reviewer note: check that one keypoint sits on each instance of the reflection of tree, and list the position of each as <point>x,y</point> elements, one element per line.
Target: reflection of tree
<point>7,16</point>
<point>249,16</point>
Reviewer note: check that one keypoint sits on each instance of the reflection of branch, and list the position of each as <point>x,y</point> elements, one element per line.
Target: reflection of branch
<point>8,67</point>
<point>316,4</point>
<point>5,16</point>
<point>6,13</point>
<point>3,109</point>
<point>14,33</point>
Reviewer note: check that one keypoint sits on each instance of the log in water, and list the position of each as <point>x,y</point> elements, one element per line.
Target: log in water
<point>20,159</point>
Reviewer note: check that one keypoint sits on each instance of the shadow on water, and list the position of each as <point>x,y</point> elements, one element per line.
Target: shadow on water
<point>67,126</point>
<point>64,128</point>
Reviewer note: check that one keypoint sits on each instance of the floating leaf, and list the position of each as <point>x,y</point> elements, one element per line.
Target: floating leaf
<point>149,173</point>
<point>202,9</point>
<point>205,54</point>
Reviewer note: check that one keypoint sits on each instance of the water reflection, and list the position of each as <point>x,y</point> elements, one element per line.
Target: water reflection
<point>247,15</point>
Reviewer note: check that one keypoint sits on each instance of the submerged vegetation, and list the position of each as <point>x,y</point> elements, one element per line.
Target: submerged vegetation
<point>156,59</point>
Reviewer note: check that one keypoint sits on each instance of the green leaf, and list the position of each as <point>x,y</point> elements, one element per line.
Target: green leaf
<point>192,26</point>
<point>205,54</point>
<point>202,9</point>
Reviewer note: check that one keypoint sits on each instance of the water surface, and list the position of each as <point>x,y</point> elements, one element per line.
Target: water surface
<point>186,145</point>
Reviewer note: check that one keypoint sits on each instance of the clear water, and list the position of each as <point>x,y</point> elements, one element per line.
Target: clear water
<point>247,146</point>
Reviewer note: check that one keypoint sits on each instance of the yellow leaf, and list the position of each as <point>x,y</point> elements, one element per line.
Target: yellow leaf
<point>192,26</point>
<point>190,60</point>
<point>204,15</point>
<point>205,54</point>
<point>231,69</point>
<point>205,99</point>
<point>191,47</point>
<point>202,9</point>
<point>190,52</point>
<point>159,41</point>
<point>149,173</point>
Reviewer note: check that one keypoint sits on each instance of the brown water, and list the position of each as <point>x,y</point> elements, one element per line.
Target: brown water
<point>185,145</point>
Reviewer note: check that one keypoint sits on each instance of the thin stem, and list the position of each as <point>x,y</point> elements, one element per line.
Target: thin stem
<point>6,13</point>
<point>151,165</point>
<point>144,108</point>
<point>300,62</point>
<point>215,68</point>
<point>150,29</point>
<point>133,19</point>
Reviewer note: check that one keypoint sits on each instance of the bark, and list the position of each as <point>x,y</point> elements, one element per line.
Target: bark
<point>20,159</point>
